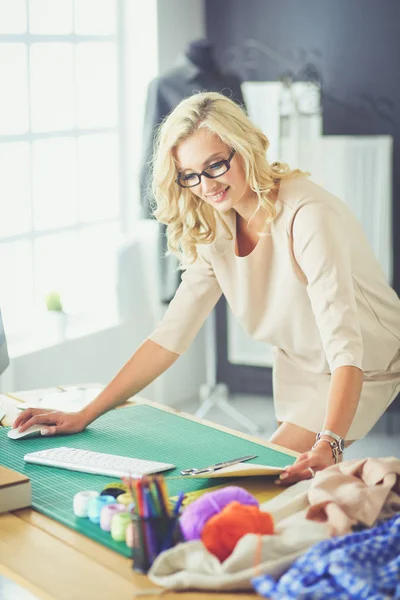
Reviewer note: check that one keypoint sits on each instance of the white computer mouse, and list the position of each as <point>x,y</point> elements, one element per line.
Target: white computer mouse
<point>33,431</point>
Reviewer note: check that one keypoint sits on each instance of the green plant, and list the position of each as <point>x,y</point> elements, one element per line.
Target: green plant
<point>53,301</point>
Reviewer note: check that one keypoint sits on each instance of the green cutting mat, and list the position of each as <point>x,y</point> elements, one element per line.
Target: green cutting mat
<point>137,431</point>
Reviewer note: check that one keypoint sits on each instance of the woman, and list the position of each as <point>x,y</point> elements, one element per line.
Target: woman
<point>296,269</point>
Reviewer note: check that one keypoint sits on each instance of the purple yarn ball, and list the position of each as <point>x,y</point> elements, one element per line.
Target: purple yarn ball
<point>196,515</point>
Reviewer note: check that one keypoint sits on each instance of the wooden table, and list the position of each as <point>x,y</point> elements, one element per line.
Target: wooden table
<point>54,562</point>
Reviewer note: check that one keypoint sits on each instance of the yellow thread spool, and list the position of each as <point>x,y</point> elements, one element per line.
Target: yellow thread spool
<point>116,484</point>
<point>125,499</point>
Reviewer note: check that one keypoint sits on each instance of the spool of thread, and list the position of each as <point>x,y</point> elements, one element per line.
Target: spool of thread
<point>107,513</point>
<point>116,488</point>
<point>115,492</point>
<point>222,532</point>
<point>196,515</point>
<point>81,502</point>
<point>116,484</point>
<point>96,505</point>
<point>130,536</point>
<point>125,499</point>
<point>119,525</point>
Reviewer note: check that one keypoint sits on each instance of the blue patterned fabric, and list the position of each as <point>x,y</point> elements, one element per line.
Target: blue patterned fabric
<point>362,565</point>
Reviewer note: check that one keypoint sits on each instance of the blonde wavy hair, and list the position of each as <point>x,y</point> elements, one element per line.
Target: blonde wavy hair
<point>191,221</point>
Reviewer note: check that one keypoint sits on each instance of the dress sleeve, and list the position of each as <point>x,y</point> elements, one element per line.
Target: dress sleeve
<point>193,301</point>
<point>322,250</point>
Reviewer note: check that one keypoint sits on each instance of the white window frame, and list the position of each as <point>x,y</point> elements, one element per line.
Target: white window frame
<point>119,130</point>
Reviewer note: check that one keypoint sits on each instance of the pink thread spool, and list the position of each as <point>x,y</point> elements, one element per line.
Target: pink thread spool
<point>131,536</point>
<point>96,505</point>
<point>107,513</point>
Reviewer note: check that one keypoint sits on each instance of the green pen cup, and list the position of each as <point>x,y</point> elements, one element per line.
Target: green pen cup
<point>151,536</point>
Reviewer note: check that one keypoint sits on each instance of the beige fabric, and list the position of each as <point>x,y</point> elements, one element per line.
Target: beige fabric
<point>356,491</point>
<point>313,289</point>
<point>191,566</point>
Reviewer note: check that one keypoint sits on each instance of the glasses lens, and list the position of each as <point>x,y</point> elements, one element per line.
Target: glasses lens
<point>188,180</point>
<point>217,169</point>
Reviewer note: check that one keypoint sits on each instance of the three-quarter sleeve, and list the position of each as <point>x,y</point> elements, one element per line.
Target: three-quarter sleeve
<point>321,248</point>
<point>194,300</point>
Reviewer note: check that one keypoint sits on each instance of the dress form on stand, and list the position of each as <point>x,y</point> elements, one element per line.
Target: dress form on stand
<point>200,53</point>
<point>212,393</point>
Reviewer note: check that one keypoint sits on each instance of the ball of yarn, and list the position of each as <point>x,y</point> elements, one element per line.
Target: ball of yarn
<point>196,515</point>
<point>222,532</point>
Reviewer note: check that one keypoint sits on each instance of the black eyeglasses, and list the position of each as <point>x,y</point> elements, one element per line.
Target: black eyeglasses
<point>214,170</point>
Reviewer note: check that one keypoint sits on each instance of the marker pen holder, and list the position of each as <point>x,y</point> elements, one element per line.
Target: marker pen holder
<point>151,536</point>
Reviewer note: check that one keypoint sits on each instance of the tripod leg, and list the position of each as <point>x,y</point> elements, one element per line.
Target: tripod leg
<point>213,394</point>
<point>227,408</point>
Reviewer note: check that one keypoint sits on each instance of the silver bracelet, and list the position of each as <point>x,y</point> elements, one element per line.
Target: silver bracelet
<point>334,447</point>
<point>339,440</point>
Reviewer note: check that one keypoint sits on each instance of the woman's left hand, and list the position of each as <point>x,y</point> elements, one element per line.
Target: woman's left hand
<point>308,464</point>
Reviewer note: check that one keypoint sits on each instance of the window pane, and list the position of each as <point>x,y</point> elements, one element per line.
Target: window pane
<point>12,16</point>
<point>54,183</point>
<point>52,87</point>
<point>14,117</point>
<point>98,267</point>
<point>96,78</point>
<point>56,266</point>
<point>98,17</point>
<point>50,16</point>
<point>98,177</point>
<point>16,285</point>
<point>15,206</point>
<point>81,267</point>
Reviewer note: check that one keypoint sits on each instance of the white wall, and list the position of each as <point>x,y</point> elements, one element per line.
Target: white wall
<point>179,22</point>
<point>97,358</point>
<point>140,66</point>
<point>152,44</point>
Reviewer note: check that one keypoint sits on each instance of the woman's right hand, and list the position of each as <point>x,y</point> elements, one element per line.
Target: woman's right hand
<point>54,422</point>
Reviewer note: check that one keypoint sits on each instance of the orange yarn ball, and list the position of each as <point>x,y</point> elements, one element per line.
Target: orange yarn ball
<point>222,532</point>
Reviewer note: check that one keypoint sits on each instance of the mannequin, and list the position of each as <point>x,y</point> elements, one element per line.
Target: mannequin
<point>195,70</point>
<point>200,53</point>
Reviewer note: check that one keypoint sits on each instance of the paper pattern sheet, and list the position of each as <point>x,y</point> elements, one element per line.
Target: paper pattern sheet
<point>68,399</point>
<point>241,470</point>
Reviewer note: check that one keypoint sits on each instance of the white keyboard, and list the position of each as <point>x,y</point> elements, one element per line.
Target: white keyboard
<point>96,463</point>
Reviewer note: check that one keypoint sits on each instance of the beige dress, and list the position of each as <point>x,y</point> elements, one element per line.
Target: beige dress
<point>313,289</point>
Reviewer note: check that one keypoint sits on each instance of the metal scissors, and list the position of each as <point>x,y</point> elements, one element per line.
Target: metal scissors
<point>217,466</point>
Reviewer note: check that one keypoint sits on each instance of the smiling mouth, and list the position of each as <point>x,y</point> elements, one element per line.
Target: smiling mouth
<point>218,197</point>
